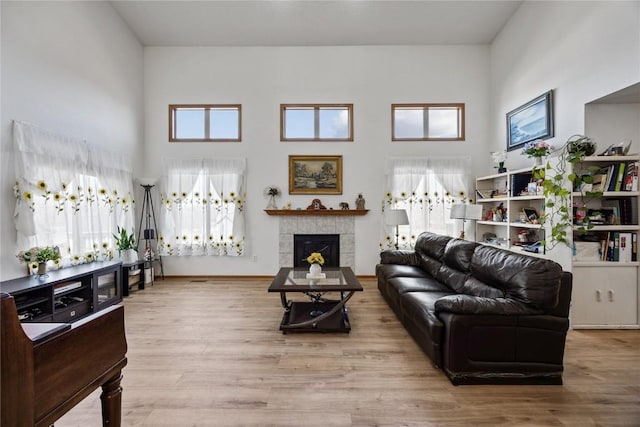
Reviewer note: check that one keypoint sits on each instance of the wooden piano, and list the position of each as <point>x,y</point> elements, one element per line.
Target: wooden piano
<point>48,368</point>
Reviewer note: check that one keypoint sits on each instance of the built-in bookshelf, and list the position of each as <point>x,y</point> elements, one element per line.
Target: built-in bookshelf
<point>605,237</point>
<point>512,202</point>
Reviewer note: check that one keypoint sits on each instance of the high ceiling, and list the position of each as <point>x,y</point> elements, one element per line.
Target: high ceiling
<point>314,22</point>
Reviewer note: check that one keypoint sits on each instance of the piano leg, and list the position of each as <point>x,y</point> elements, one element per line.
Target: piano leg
<point>111,398</point>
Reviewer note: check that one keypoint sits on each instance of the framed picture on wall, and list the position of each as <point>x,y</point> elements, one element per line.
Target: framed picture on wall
<point>315,174</point>
<point>531,121</point>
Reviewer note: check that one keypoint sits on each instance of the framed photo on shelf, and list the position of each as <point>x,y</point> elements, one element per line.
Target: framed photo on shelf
<point>530,214</point>
<point>531,121</point>
<point>315,174</point>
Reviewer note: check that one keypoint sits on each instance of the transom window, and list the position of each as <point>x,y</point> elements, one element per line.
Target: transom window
<point>316,122</point>
<point>427,122</point>
<point>205,123</point>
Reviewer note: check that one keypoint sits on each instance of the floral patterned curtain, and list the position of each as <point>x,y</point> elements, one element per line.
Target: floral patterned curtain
<point>202,210</point>
<point>426,188</point>
<point>70,195</point>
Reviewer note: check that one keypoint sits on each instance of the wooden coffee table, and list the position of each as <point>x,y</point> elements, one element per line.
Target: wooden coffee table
<point>317,314</point>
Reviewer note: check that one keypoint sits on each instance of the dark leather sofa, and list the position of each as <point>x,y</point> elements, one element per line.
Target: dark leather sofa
<point>484,315</point>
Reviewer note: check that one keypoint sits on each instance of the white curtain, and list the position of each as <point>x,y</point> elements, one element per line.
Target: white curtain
<point>202,210</point>
<point>426,188</point>
<point>70,195</point>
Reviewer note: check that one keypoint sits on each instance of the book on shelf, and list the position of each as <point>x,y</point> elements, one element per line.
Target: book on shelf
<point>624,253</point>
<point>619,247</point>
<point>620,177</point>
<point>599,181</point>
<point>631,177</point>
<point>520,183</point>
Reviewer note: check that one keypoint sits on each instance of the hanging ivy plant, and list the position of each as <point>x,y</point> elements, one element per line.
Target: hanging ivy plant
<point>558,203</point>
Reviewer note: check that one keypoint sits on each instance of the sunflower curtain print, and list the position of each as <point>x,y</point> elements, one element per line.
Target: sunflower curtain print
<point>426,188</point>
<point>203,204</point>
<point>70,195</point>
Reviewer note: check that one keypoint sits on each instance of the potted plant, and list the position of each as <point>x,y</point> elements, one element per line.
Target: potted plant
<point>126,244</point>
<point>558,207</point>
<point>40,255</point>
<point>581,146</point>
<point>537,149</point>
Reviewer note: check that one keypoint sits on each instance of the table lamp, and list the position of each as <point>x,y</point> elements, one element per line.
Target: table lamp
<point>396,217</point>
<point>465,212</point>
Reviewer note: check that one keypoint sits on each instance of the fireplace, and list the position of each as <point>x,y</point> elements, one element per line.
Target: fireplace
<point>327,244</point>
<point>343,226</point>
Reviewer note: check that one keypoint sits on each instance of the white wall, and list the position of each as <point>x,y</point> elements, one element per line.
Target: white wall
<point>582,50</point>
<point>372,78</point>
<point>613,123</point>
<point>72,67</point>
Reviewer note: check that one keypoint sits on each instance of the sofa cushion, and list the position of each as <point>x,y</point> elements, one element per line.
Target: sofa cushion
<point>524,278</point>
<point>390,256</point>
<point>458,253</point>
<point>475,287</point>
<point>418,308</point>
<point>399,285</point>
<point>389,271</point>
<point>431,245</point>
<point>467,304</point>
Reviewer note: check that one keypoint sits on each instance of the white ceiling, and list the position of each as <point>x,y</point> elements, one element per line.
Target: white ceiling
<point>314,22</point>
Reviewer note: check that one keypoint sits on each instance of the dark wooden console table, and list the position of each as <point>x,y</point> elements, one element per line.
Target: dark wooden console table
<point>67,294</point>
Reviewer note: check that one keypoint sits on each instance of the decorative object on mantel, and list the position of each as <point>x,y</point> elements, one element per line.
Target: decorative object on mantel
<point>315,205</point>
<point>360,202</point>
<point>40,255</point>
<point>499,158</point>
<point>272,191</point>
<point>344,206</point>
<point>314,212</point>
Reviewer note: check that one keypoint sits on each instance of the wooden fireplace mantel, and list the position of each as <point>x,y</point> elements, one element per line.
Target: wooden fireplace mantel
<point>316,212</point>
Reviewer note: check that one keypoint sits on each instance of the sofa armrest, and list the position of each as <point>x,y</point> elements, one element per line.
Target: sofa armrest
<point>469,304</point>
<point>395,256</point>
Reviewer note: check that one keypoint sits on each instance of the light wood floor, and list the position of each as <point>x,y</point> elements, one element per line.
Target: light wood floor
<point>209,353</point>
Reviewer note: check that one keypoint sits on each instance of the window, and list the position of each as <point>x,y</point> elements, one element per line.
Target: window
<point>70,195</point>
<point>205,123</point>
<point>202,210</point>
<point>316,122</point>
<point>426,188</point>
<point>427,122</point>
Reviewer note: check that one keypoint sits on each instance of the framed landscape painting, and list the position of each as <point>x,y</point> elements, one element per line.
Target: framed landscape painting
<point>315,174</point>
<point>531,121</point>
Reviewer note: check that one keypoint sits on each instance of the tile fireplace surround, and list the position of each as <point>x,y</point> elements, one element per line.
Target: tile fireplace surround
<point>342,225</point>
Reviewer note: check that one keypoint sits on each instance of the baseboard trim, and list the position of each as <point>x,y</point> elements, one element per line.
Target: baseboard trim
<point>239,277</point>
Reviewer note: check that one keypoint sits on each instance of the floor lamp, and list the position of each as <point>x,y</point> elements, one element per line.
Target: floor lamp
<point>465,212</point>
<point>396,217</point>
<point>149,215</point>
